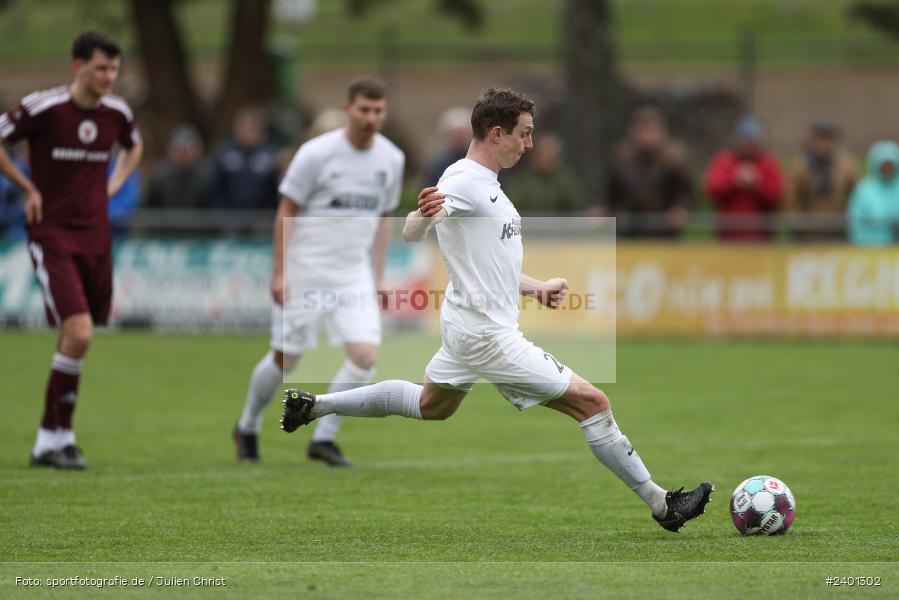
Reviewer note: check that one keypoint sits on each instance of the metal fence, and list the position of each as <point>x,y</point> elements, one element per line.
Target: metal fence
<point>252,224</point>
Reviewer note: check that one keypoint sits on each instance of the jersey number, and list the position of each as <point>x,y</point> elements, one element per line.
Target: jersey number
<point>547,356</point>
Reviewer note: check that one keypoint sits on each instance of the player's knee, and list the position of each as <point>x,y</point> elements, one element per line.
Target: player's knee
<point>365,359</point>
<point>598,401</point>
<point>435,408</point>
<point>80,342</point>
<point>437,413</point>
<point>76,337</point>
<point>590,400</point>
<point>285,362</point>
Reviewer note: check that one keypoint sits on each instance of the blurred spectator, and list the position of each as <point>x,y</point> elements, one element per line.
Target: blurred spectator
<point>12,199</point>
<point>548,186</point>
<point>745,185</point>
<point>181,179</point>
<point>874,205</point>
<point>123,204</point>
<point>455,126</point>
<point>650,185</point>
<point>245,170</point>
<point>823,175</point>
<point>327,120</point>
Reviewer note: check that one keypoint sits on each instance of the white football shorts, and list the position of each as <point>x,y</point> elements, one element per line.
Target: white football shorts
<point>347,315</point>
<point>523,373</point>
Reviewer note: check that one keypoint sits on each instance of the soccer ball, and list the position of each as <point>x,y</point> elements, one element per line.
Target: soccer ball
<point>762,505</point>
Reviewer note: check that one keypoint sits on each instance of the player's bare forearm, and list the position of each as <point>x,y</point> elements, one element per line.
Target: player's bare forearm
<point>549,293</point>
<point>529,286</point>
<point>282,230</point>
<point>9,169</point>
<point>380,246</point>
<point>34,203</point>
<point>430,212</point>
<point>417,227</point>
<point>281,234</point>
<point>126,162</point>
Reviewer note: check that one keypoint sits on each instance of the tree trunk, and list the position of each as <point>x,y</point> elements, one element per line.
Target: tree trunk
<point>593,91</point>
<point>249,78</point>
<point>171,97</point>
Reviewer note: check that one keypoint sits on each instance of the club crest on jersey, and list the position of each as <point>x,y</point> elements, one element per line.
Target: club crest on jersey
<point>510,229</point>
<point>87,131</point>
<point>381,178</point>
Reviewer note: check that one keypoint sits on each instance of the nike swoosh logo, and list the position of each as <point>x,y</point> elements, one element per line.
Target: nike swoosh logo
<point>493,198</point>
<point>631,451</point>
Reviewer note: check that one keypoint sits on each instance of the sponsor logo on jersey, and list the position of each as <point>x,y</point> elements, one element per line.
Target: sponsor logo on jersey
<point>511,229</point>
<point>87,131</point>
<point>360,201</point>
<point>79,155</point>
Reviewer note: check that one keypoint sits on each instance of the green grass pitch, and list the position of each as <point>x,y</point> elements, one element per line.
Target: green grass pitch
<point>490,503</point>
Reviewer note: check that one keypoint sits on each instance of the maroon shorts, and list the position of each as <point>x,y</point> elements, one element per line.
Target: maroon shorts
<point>71,282</point>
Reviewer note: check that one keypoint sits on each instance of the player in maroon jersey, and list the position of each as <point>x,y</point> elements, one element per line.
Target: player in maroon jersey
<point>72,131</point>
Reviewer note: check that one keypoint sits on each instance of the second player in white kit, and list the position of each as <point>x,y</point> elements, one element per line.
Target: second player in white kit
<point>331,237</point>
<point>343,192</point>
<point>479,232</point>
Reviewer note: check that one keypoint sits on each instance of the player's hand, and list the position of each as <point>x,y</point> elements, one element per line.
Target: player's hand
<point>279,289</point>
<point>430,201</point>
<point>34,207</point>
<point>553,292</point>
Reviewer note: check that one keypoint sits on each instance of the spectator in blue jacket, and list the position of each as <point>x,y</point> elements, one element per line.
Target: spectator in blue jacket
<point>245,170</point>
<point>874,205</point>
<point>124,203</point>
<point>12,200</point>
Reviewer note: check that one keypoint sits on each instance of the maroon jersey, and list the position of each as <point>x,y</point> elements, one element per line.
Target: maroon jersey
<point>69,149</point>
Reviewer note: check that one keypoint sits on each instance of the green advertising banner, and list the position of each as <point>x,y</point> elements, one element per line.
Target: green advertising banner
<point>191,285</point>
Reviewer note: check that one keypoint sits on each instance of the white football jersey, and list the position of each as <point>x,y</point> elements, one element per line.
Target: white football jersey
<point>343,191</point>
<point>481,244</point>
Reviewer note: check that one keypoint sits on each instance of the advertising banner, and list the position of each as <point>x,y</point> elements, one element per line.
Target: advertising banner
<point>195,285</point>
<point>733,289</point>
<point>634,289</point>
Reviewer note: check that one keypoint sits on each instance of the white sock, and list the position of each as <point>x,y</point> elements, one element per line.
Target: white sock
<point>67,364</point>
<point>618,455</point>
<point>45,440</point>
<point>392,397</point>
<point>265,380</point>
<point>64,437</point>
<point>347,378</point>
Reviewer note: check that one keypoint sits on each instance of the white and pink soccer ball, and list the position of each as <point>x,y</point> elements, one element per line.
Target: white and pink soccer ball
<point>762,505</point>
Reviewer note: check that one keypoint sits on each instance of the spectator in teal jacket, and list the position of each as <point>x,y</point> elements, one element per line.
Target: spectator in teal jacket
<point>874,205</point>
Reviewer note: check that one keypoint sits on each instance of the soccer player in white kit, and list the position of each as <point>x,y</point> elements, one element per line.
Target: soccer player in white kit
<point>479,232</point>
<point>336,200</point>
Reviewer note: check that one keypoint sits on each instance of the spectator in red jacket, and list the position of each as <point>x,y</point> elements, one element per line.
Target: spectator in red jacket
<point>745,184</point>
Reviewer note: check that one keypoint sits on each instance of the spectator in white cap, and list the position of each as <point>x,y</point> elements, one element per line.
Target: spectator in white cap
<point>455,127</point>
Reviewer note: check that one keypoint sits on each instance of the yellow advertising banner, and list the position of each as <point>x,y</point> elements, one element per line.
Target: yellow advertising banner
<point>776,290</point>
<point>693,290</point>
